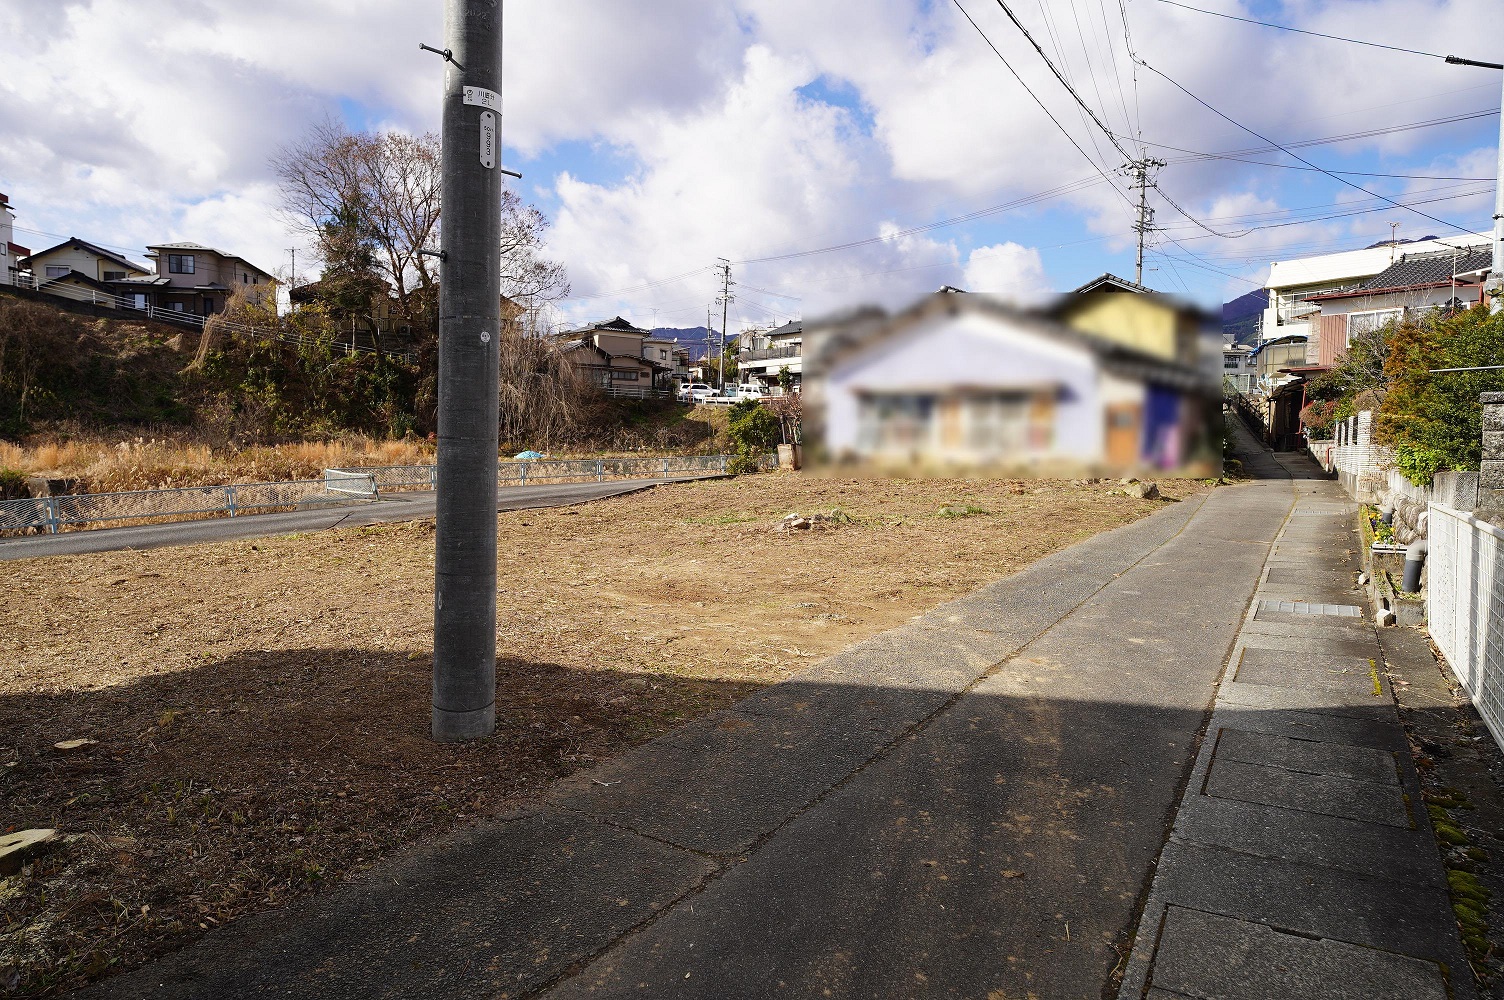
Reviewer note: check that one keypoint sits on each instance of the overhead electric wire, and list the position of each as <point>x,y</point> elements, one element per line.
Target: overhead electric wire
<point>1303,31</point>
<point>1055,192</point>
<point>1197,155</point>
<point>638,287</point>
<point>1094,117</point>
<point>1121,193</point>
<point>1341,180</point>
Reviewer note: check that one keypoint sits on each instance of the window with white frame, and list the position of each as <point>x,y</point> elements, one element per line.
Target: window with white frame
<point>1360,323</point>
<point>57,270</point>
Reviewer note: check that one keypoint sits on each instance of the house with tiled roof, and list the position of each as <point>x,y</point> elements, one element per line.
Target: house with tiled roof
<point>194,278</point>
<point>79,261</point>
<point>616,354</point>
<point>1450,278</point>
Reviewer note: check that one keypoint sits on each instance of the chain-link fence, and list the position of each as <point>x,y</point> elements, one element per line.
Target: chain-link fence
<point>52,514</point>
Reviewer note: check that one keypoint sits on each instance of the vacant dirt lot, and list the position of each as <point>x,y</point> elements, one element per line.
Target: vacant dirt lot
<point>261,709</point>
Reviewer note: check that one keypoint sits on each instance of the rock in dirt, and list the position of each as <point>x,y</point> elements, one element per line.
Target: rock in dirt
<point>68,746</point>
<point>1143,491</point>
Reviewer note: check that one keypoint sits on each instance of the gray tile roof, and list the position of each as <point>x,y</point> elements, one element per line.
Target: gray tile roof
<point>1428,269</point>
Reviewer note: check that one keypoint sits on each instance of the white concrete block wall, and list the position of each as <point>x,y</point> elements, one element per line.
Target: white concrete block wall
<point>1465,606</point>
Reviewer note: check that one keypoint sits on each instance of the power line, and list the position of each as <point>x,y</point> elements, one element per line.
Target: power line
<point>1289,152</point>
<point>1055,192</point>
<point>1041,104</point>
<point>1319,34</point>
<point>636,288</point>
<point>1195,155</point>
<point>1137,164</point>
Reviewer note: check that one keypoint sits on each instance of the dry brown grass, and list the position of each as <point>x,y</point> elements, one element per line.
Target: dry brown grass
<point>102,466</point>
<point>262,707</point>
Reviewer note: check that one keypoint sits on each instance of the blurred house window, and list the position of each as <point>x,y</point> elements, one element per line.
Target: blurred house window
<point>895,423</point>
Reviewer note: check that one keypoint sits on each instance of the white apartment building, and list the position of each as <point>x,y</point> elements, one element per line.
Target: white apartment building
<point>1294,283</point>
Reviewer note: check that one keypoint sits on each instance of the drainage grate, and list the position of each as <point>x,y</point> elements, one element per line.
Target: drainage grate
<point>1305,608</point>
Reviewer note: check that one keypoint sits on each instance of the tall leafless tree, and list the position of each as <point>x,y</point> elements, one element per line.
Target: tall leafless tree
<point>392,183</point>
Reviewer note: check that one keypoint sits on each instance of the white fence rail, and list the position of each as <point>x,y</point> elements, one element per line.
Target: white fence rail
<point>1465,606</point>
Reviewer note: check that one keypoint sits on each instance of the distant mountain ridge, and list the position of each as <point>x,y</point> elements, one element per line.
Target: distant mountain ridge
<point>1240,317</point>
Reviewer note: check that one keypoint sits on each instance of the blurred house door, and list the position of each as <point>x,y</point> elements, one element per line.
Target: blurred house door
<point>950,423</point>
<point>1123,433</point>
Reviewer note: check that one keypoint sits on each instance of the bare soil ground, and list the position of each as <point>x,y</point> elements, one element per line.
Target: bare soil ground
<point>261,708</point>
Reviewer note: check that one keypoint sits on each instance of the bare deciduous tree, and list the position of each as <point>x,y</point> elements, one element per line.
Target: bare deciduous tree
<point>392,183</point>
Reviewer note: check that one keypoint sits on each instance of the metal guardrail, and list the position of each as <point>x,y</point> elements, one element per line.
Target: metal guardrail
<point>51,514</point>
<point>355,485</point>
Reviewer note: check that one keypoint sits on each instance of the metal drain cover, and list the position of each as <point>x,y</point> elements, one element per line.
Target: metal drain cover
<point>1305,608</point>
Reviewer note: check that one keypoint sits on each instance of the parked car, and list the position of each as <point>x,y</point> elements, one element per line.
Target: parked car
<point>753,390</point>
<point>694,391</point>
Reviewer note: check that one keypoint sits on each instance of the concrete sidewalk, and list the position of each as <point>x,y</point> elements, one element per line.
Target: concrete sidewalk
<point>1302,862</point>
<point>971,805</point>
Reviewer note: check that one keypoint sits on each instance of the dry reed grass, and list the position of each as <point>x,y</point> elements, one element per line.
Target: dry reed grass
<point>102,466</point>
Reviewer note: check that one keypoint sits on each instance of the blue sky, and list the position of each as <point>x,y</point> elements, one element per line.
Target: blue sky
<point>658,136</point>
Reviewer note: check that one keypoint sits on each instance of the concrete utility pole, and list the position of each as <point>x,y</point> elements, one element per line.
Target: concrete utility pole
<point>1139,170</point>
<point>1495,286</point>
<point>724,300</point>
<point>464,619</point>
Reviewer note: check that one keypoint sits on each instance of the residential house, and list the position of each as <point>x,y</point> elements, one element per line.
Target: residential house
<point>10,251</point>
<point>613,353</point>
<point>966,379</point>
<point>1416,282</point>
<point>193,278</point>
<point>659,350</point>
<point>1238,366</point>
<point>1295,287</point>
<point>768,354</point>
<point>1131,314</point>
<point>82,270</point>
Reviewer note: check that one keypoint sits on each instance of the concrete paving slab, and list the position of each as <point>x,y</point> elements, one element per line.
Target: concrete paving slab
<point>1402,917</point>
<point>1306,755</point>
<point>1274,670</point>
<point>1326,794</point>
<point>1372,728</point>
<point>1210,956</point>
<point>1360,704</point>
<point>1369,849</point>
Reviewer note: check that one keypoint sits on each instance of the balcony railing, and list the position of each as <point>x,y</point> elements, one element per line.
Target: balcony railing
<point>770,353</point>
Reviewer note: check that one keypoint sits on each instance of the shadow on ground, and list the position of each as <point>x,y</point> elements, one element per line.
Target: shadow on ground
<point>245,782</point>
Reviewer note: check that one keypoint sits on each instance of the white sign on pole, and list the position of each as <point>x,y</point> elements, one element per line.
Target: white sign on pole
<point>487,139</point>
<point>482,98</point>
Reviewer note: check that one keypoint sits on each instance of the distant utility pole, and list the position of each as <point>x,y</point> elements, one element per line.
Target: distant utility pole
<point>1140,170</point>
<point>1493,288</point>
<point>725,301</point>
<point>464,619</point>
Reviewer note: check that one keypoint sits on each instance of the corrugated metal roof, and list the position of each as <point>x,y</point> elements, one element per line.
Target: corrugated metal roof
<point>1354,264</point>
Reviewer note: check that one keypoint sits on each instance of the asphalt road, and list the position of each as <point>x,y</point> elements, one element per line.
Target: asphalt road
<point>391,508</point>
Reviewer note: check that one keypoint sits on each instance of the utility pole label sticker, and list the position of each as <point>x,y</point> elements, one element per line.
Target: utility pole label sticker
<point>482,98</point>
<point>487,139</point>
